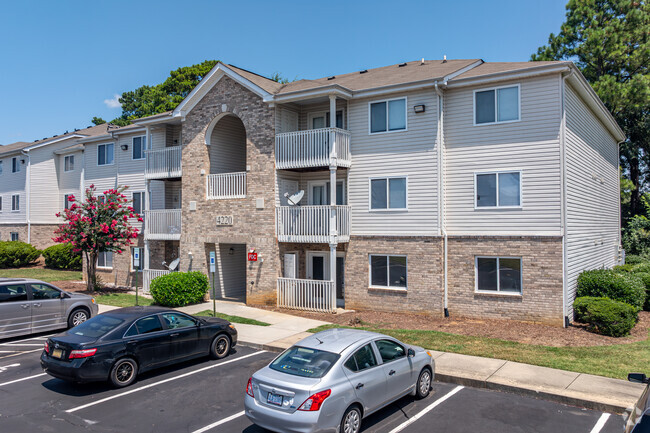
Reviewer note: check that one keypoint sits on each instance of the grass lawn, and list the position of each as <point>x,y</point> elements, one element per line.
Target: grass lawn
<point>47,275</point>
<point>233,319</point>
<point>121,299</point>
<point>612,361</point>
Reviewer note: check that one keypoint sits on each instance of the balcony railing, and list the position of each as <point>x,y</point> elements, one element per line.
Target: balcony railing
<point>311,223</point>
<point>308,295</point>
<point>163,163</point>
<point>226,185</point>
<point>149,274</point>
<point>312,148</point>
<point>163,224</point>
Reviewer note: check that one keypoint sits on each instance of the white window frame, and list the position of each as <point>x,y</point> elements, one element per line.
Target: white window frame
<point>388,209</point>
<point>105,164</point>
<point>112,260</point>
<point>1,167</point>
<point>142,199</point>
<point>323,183</point>
<point>11,236</point>
<point>387,131</point>
<point>15,165</point>
<point>142,149</point>
<point>65,199</point>
<point>15,202</point>
<point>496,104</point>
<point>67,158</point>
<point>388,256</point>
<point>325,114</point>
<point>497,172</point>
<point>498,290</point>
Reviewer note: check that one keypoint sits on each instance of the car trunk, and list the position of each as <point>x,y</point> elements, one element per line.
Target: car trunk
<point>282,391</point>
<point>61,346</point>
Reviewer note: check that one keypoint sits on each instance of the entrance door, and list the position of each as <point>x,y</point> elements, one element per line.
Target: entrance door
<point>318,265</point>
<point>340,282</point>
<point>319,193</point>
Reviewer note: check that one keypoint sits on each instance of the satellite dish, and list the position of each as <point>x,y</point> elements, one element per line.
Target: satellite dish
<point>174,264</point>
<point>295,198</point>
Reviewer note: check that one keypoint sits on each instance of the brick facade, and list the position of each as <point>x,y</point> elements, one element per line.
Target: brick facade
<point>7,229</point>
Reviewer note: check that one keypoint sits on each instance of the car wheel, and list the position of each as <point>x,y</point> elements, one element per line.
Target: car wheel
<point>124,372</point>
<point>351,421</point>
<point>423,387</point>
<point>77,317</point>
<point>220,346</point>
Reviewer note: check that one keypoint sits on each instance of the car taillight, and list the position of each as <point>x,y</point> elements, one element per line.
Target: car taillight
<point>315,401</point>
<point>46,348</point>
<point>85,353</point>
<point>249,388</point>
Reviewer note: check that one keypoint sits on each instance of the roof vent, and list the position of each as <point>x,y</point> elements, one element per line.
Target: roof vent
<point>363,72</point>
<point>444,59</point>
<point>422,61</point>
<point>76,129</point>
<point>54,136</point>
<point>331,78</point>
<point>401,64</point>
<point>35,141</point>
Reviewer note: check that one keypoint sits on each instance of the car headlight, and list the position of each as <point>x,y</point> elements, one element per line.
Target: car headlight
<point>430,354</point>
<point>92,300</point>
<point>232,326</point>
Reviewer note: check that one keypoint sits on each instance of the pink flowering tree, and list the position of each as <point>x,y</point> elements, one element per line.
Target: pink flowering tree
<point>97,224</point>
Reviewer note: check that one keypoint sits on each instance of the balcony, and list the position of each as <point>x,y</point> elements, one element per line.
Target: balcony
<point>307,295</point>
<point>226,185</point>
<point>163,224</point>
<point>312,148</point>
<point>148,275</point>
<point>163,163</point>
<point>311,224</point>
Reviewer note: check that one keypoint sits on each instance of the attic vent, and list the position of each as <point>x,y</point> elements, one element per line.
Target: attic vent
<point>35,141</point>
<point>331,78</point>
<point>54,136</point>
<point>363,72</point>
<point>401,64</point>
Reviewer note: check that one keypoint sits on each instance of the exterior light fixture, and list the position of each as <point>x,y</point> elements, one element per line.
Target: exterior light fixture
<point>418,108</point>
<point>124,147</point>
<point>232,251</point>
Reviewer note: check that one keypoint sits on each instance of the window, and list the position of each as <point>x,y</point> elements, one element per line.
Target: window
<point>149,324</point>
<point>139,146</point>
<point>496,105</point>
<point>97,326</point>
<point>15,165</point>
<point>304,362</point>
<point>498,274</point>
<point>322,120</point>
<point>389,350</point>
<point>14,236</point>
<point>68,163</point>
<point>101,198</point>
<point>42,291</point>
<point>0,167</point>
<point>387,116</point>
<point>105,154</point>
<point>138,199</point>
<point>498,189</point>
<point>388,193</point>
<point>15,202</point>
<point>388,271</point>
<point>176,321</point>
<point>66,202</point>
<point>13,293</point>
<point>362,359</point>
<point>105,259</point>
<point>319,193</point>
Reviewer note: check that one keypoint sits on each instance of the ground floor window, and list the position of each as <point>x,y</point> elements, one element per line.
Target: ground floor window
<point>388,271</point>
<point>498,274</point>
<point>105,259</point>
<point>14,236</point>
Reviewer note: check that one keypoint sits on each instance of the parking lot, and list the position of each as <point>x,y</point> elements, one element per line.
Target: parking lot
<point>207,395</point>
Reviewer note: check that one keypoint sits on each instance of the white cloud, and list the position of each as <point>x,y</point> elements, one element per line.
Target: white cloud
<point>113,102</point>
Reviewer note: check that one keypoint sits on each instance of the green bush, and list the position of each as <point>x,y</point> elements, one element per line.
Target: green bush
<point>61,256</point>
<point>645,277</point>
<point>623,287</point>
<point>636,236</point>
<point>628,267</point>
<point>605,316</point>
<point>16,254</point>
<point>177,289</point>
<point>641,267</point>
<point>633,259</point>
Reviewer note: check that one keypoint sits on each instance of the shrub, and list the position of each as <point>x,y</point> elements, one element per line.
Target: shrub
<point>605,316</point>
<point>61,256</point>
<point>641,267</point>
<point>628,267</point>
<point>623,287</point>
<point>636,235</point>
<point>633,259</point>
<point>177,289</point>
<point>16,254</point>
<point>645,277</point>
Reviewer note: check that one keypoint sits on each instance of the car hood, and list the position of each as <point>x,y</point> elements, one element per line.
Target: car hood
<point>215,321</point>
<point>78,295</point>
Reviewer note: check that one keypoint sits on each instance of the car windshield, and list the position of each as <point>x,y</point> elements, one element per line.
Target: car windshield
<point>97,326</point>
<point>305,362</point>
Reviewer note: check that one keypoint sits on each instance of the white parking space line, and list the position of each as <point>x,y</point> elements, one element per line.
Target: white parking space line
<point>74,409</point>
<point>601,423</point>
<point>42,337</point>
<point>218,423</point>
<point>22,344</point>
<point>24,378</point>
<point>426,410</point>
<point>20,352</point>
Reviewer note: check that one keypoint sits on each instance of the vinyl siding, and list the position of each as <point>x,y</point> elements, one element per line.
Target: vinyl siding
<point>592,193</point>
<point>228,146</point>
<point>530,145</point>
<point>303,180</point>
<point>409,153</point>
<point>10,184</point>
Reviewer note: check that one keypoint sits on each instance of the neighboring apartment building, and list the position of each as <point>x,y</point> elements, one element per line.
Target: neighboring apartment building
<point>463,187</point>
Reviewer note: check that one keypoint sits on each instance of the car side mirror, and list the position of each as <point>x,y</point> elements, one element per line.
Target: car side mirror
<point>637,377</point>
<point>64,295</point>
<point>411,353</point>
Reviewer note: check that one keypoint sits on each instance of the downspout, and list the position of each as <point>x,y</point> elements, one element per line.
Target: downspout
<point>563,192</point>
<point>441,198</point>
<point>27,196</point>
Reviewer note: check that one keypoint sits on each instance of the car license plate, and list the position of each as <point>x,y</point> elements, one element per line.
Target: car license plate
<point>275,399</point>
<point>57,353</point>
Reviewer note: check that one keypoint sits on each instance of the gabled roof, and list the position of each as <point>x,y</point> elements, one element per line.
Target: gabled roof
<point>263,82</point>
<point>86,132</point>
<point>490,68</point>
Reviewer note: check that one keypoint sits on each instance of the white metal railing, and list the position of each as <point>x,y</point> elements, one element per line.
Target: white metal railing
<point>312,148</point>
<point>163,163</point>
<point>149,274</point>
<point>308,295</point>
<point>226,185</point>
<point>311,223</point>
<point>162,224</point>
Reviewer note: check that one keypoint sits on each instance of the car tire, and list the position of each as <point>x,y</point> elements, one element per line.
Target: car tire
<point>423,385</point>
<point>220,346</point>
<point>77,317</point>
<point>124,372</point>
<point>351,421</point>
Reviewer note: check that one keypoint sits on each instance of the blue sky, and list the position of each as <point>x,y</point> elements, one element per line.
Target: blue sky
<point>61,62</point>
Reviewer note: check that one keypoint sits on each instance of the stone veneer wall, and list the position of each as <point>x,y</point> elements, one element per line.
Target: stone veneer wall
<point>7,229</point>
<point>41,236</point>
<point>120,274</point>
<point>251,226</point>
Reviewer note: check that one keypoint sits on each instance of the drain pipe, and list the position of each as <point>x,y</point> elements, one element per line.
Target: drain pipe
<point>28,187</point>
<point>441,217</point>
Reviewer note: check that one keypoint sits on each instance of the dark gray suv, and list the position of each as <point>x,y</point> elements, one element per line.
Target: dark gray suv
<point>31,306</point>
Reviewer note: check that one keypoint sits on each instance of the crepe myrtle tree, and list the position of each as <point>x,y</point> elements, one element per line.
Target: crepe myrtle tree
<point>97,224</point>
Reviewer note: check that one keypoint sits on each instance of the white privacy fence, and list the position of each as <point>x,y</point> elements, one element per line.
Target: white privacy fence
<point>312,148</point>
<point>308,295</point>
<point>162,224</point>
<point>311,223</point>
<point>226,185</point>
<point>163,163</point>
<point>149,274</point>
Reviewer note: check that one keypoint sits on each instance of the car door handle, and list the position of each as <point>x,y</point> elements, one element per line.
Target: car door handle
<point>25,306</point>
<point>175,334</point>
<point>37,305</point>
<point>359,386</point>
<point>131,342</point>
<point>390,373</point>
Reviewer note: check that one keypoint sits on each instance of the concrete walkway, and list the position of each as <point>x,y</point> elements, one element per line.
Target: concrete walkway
<point>584,390</point>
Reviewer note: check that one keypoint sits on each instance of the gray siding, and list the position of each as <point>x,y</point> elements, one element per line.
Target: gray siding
<point>231,271</point>
<point>10,184</point>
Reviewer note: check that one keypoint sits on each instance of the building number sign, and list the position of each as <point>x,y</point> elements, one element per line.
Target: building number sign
<point>224,220</point>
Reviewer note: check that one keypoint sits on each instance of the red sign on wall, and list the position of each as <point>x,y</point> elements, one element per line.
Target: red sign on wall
<point>252,257</point>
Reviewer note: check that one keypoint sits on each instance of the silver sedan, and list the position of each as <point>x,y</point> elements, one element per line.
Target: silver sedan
<point>330,381</point>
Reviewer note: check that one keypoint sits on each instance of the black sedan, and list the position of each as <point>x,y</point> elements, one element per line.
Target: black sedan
<point>119,344</point>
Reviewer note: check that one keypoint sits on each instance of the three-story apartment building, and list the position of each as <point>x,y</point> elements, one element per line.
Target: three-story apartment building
<point>447,187</point>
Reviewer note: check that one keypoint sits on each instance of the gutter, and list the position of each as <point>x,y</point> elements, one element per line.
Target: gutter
<point>441,194</point>
<point>27,195</point>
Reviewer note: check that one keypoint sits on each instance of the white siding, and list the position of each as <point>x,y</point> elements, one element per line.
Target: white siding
<point>409,153</point>
<point>228,146</point>
<point>530,145</point>
<point>592,193</point>
<point>10,184</point>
